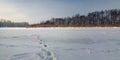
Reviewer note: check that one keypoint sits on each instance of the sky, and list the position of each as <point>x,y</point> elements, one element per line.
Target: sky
<point>35,11</point>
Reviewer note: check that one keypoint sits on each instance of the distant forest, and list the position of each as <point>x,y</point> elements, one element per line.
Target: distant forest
<point>8,23</point>
<point>105,18</point>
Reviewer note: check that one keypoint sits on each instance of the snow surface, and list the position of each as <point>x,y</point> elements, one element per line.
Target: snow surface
<point>62,44</point>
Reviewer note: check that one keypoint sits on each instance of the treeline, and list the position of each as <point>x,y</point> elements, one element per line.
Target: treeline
<point>7,23</point>
<point>97,18</point>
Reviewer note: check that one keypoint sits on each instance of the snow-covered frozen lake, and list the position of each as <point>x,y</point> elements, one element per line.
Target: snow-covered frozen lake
<point>63,43</point>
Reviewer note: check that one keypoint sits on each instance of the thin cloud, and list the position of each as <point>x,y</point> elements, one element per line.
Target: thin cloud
<point>35,11</point>
<point>8,12</point>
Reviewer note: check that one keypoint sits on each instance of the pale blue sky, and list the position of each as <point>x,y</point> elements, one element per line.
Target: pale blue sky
<point>34,11</point>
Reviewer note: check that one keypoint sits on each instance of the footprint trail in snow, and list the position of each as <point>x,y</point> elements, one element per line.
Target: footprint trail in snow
<point>42,54</point>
